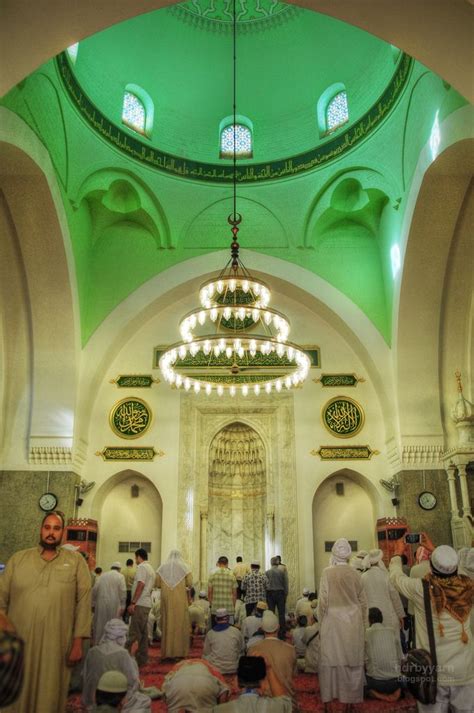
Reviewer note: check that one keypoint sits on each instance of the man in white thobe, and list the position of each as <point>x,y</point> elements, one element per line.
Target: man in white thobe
<point>381,594</point>
<point>342,615</point>
<point>108,599</point>
<point>109,655</point>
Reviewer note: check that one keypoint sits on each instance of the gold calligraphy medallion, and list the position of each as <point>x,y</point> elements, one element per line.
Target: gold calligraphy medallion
<point>343,417</point>
<point>130,417</point>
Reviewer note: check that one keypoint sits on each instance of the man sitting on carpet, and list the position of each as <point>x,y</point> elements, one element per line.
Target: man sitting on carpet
<point>223,644</point>
<point>253,623</point>
<point>278,654</point>
<point>194,685</point>
<point>252,671</point>
<point>382,658</point>
<point>110,655</point>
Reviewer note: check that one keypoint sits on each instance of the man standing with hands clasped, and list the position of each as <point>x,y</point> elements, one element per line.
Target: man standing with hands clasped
<point>45,591</point>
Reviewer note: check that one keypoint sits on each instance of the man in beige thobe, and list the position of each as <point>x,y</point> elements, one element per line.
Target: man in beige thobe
<point>45,591</point>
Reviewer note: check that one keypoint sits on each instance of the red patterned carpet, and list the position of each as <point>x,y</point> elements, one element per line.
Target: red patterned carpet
<point>306,685</point>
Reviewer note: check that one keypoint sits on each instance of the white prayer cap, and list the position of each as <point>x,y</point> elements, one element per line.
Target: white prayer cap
<point>255,564</point>
<point>202,594</point>
<point>375,556</point>
<point>444,559</point>
<point>269,622</point>
<point>116,565</point>
<point>305,591</point>
<point>113,682</point>
<point>221,613</point>
<point>361,554</point>
<point>71,548</point>
<point>466,561</point>
<point>341,550</point>
<point>359,563</point>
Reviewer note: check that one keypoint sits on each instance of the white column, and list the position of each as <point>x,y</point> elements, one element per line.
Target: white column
<point>462,473</point>
<point>203,548</point>
<point>270,536</point>
<point>451,470</point>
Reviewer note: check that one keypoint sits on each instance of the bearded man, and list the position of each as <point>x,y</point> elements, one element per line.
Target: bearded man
<point>45,591</point>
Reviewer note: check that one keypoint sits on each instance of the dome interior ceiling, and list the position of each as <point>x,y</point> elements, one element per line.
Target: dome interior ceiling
<point>137,205</point>
<point>184,62</point>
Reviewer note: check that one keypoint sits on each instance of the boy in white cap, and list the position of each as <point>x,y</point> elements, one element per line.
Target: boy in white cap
<point>110,692</point>
<point>451,596</point>
<point>223,644</point>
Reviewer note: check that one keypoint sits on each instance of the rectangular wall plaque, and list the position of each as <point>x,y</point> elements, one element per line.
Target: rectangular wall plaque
<point>344,452</point>
<point>336,380</point>
<point>129,453</point>
<point>134,381</point>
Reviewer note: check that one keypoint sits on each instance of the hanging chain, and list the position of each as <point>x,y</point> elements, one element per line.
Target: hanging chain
<point>235,218</point>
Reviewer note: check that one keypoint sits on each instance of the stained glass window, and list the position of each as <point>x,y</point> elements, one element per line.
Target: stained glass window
<point>337,111</point>
<point>133,112</point>
<point>243,141</point>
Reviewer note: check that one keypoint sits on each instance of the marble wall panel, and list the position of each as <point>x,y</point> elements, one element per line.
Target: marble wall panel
<point>436,522</point>
<point>272,418</point>
<point>20,513</point>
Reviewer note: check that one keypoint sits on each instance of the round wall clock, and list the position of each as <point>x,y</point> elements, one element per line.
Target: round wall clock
<point>48,502</point>
<point>343,417</point>
<point>427,500</point>
<point>130,417</point>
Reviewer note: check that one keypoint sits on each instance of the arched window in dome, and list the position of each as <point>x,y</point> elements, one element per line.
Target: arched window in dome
<point>333,109</point>
<point>137,110</point>
<point>337,111</point>
<point>243,140</point>
<point>72,51</point>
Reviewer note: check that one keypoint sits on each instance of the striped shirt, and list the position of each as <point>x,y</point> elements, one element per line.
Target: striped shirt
<point>382,652</point>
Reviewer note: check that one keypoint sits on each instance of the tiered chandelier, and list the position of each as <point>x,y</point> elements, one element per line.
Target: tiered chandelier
<point>234,342</point>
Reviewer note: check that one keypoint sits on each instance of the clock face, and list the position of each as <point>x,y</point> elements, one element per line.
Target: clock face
<point>48,501</point>
<point>427,500</point>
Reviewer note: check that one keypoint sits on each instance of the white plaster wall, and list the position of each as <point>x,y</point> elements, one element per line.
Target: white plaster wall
<point>350,515</point>
<point>123,518</point>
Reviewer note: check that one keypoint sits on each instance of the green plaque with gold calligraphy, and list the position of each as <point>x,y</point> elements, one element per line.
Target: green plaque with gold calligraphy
<point>338,380</point>
<point>134,381</point>
<point>130,418</point>
<point>343,417</point>
<point>345,452</point>
<point>129,453</point>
